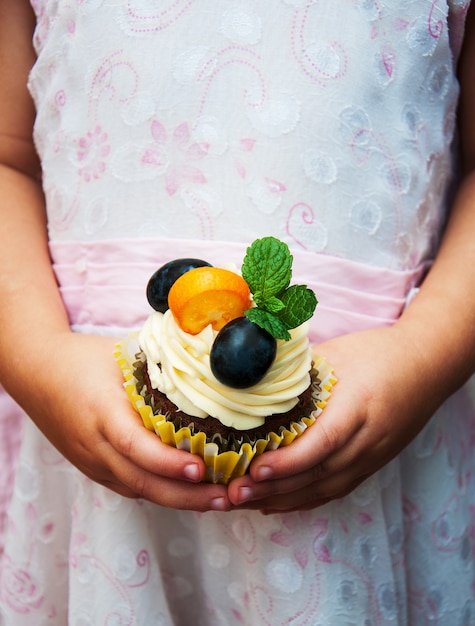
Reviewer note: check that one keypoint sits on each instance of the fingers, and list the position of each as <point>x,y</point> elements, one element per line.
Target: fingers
<point>247,491</point>
<point>330,441</point>
<point>125,433</point>
<point>308,498</point>
<point>341,468</point>
<point>145,450</point>
<point>128,479</point>
<point>302,492</point>
<point>173,494</point>
<point>134,462</point>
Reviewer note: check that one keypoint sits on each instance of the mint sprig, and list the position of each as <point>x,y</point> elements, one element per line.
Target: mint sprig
<point>267,269</point>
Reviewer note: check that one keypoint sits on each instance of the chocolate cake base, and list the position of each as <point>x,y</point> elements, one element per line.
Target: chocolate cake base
<point>212,427</point>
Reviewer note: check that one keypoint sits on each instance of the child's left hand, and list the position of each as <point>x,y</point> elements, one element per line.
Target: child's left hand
<point>384,396</point>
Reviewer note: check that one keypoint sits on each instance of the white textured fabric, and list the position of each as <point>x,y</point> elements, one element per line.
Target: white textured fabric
<point>327,123</point>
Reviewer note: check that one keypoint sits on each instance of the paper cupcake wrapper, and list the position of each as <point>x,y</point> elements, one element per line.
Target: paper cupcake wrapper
<point>221,467</point>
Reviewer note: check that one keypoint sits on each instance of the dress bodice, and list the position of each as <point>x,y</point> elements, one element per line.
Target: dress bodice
<point>227,121</point>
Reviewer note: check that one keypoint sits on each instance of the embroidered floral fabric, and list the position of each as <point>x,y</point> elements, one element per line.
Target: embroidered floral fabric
<point>327,124</point>
<point>179,119</point>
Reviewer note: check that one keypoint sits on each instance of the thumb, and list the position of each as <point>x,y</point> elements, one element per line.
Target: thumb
<point>332,430</point>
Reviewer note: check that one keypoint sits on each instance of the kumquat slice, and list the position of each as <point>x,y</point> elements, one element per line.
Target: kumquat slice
<point>208,295</point>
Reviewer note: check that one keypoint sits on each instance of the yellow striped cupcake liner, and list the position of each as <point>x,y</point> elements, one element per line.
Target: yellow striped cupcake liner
<point>221,467</point>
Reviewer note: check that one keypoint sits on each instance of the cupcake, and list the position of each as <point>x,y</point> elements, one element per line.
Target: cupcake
<point>223,367</point>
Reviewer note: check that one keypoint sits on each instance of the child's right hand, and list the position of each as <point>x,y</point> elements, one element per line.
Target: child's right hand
<point>77,399</point>
<point>69,384</point>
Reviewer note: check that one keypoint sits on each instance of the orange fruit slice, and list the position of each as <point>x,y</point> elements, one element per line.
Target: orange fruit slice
<point>208,295</point>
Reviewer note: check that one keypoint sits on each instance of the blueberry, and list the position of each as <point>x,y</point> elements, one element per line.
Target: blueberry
<point>242,353</point>
<point>161,281</point>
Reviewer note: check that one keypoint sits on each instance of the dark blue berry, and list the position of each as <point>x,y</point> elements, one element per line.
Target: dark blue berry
<point>161,281</point>
<point>242,353</point>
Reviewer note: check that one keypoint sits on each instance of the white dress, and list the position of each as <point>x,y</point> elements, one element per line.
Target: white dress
<point>327,123</point>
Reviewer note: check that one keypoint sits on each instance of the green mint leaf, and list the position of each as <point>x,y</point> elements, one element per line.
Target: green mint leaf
<point>299,305</point>
<point>273,305</point>
<point>269,322</point>
<point>267,268</point>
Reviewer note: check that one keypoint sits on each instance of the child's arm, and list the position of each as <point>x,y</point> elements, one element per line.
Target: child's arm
<point>390,381</point>
<point>47,369</point>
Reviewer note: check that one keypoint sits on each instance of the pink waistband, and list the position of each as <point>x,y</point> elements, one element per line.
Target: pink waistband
<point>103,283</point>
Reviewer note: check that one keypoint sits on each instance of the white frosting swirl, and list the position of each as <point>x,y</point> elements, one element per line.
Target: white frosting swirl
<point>178,366</point>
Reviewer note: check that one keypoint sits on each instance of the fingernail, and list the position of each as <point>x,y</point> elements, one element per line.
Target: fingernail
<point>245,493</point>
<point>264,473</point>
<point>192,472</point>
<point>218,504</point>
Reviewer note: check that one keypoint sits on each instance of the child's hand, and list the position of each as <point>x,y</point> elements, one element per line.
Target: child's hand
<point>85,412</point>
<point>382,399</point>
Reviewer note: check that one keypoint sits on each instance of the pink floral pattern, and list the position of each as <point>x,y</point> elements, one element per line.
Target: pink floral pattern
<point>20,590</point>
<point>92,152</point>
<point>176,155</point>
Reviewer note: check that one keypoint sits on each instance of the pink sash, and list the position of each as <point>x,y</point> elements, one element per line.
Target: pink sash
<point>103,283</point>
